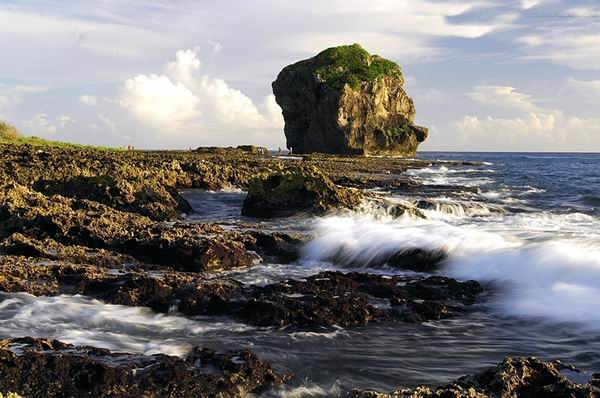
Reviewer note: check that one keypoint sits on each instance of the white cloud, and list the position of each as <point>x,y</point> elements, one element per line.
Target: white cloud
<point>40,125</point>
<point>156,100</point>
<point>533,129</point>
<point>215,45</point>
<point>184,68</point>
<point>585,87</point>
<point>186,104</point>
<point>504,96</point>
<point>576,47</point>
<point>64,120</point>
<point>107,122</point>
<point>88,100</point>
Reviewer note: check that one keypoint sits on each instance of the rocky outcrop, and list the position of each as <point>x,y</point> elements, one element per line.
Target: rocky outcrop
<point>289,191</point>
<point>68,226</point>
<point>325,299</point>
<point>50,368</point>
<point>346,101</point>
<point>513,378</point>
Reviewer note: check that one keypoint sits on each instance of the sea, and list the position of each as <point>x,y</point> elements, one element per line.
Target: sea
<point>525,225</point>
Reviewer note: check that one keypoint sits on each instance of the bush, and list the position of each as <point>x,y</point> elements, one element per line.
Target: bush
<point>8,132</point>
<point>353,65</point>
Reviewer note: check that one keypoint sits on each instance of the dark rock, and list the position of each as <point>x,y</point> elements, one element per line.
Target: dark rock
<point>513,378</point>
<point>239,150</point>
<point>325,299</point>
<point>139,196</point>
<point>49,368</point>
<point>289,191</point>
<point>346,101</point>
<point>189,247</point>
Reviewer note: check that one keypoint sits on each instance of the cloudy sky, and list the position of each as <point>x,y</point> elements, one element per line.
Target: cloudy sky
<point>499,75</point>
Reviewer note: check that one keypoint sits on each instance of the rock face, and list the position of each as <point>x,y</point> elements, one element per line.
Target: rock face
<point>346,101</point>
<point>285,192</point>
<point>49,368</point>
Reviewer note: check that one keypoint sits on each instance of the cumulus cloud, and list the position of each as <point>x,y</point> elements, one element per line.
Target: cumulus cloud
<point>504,96</point>
<point>88,100</point>
<point>183,102</point>
<point>107,122</point>
<point>156,100</point>
<point>40,124</point>
<point>533,129</point>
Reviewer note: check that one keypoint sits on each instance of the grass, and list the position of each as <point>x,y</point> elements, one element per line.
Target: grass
<point>8,131</point>
<point>352,65</point>
<point>40,142</point>
<point>10,135</point>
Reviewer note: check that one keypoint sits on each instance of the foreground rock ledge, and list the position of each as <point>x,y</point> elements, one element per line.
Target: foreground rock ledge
<point>325,299</point>
<point>49,368</point>
<point>513,378</point>
<point>347,101</point>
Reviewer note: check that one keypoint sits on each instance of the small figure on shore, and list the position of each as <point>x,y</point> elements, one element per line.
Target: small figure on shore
<point>279,151</point>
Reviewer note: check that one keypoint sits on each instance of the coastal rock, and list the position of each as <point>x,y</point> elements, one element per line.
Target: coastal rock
<point>126,194</point>
<point>346,101</point>
<point>333,298</point>
<point>513,378</point>
<point>302,189</point>
<point>50,368</point>
<point>325,299</point>
<point>188,247</point>
<point>239,150</point>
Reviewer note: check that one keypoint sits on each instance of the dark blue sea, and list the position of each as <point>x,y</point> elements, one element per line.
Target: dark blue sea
<point>525,225</point>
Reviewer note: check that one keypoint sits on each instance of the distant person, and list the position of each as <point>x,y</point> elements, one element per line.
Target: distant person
<point>279,151</point>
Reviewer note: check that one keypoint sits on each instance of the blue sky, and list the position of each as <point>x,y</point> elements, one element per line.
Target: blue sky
<point>519,75</point>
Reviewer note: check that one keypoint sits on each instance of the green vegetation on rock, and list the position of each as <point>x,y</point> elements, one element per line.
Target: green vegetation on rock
<point>352,65</point>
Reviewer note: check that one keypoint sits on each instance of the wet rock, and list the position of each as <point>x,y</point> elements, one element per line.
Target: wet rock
<point>333,298</point>
<point>50,368</point>
<point>20,245</point>
<point>189,247</point>
<point>325,299</point>
<point>513,378</point>
<point>150,199</point>
<point>289,191</point>
<point>417,259</point>
<point>347,101</point>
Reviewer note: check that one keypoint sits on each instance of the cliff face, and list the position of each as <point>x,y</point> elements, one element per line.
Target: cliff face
<point>346,101</point>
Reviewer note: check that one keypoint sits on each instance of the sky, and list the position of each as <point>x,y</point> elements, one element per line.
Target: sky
<point>499,75</point>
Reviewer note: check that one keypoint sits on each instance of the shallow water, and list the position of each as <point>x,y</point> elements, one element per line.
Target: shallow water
<point>531,234</point>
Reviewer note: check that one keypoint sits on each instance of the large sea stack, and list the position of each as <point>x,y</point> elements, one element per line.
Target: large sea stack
<point>347,101</point>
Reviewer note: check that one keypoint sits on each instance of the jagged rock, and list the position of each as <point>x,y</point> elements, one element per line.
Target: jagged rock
<point>50,368</point>
<point>189,247</point>
<point>239,150</point>
<point>127,194</point>
<point>346,101</point>
<point>325,299</point>
<point>513,378</point>
<point>289,191</point>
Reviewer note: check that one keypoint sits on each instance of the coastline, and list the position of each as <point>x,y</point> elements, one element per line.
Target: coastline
<point>110,226</point>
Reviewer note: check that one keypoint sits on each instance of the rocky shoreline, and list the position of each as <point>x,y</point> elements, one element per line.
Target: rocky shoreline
<point>112,225</point>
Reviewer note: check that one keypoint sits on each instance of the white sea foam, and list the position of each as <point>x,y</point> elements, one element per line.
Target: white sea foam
<point>305,391</point>
<point>80,320</point>
<point>337,332</point>
<point>361,240</point>
<point>557,280</point>
<point>546,265</point>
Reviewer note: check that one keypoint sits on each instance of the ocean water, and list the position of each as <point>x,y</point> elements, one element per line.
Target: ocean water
<point>527,227</point>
